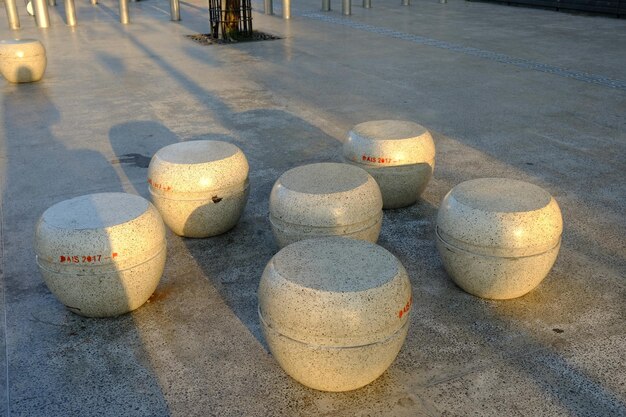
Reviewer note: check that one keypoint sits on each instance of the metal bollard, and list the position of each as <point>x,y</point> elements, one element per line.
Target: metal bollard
<point>12,16</point>
<point>406,2</point>
<point>287,9</point>
<point>52,2</point>
<point>41,13</point>
<point>346,7</point>
<point>268,7</point>
<point>175,10</point>
<point>124,19</point>
<point>443,1</point>
<point>326,5</point>
<point>70,13</point>
<point>367,4</point>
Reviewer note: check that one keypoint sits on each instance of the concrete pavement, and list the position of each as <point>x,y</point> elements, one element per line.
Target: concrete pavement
<point>520,93</point>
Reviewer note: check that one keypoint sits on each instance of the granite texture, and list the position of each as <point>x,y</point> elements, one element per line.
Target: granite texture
<point>325,199</point>
<point>400,155</point>
<point>113,95</point>
<point>101,254</point>
<point>498,238</point>
<point>22,61</point>
<point>334,311</point>
<point>200,187</point>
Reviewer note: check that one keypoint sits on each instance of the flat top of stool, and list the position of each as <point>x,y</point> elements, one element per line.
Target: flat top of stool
<point>389,130</point>
<point>197,152</point>
<point>324,178</point>
<point>21,48</point>
<point>18,41</point>
<point>336,264</point>
<point>95,211</point>
<point>501,195</point>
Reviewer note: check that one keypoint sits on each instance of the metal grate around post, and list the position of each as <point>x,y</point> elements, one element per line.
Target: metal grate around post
<point>224,20</point>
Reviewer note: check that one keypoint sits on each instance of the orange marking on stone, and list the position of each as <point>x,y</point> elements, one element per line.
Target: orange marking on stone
<point>376,159</point>
<point>406,308</point>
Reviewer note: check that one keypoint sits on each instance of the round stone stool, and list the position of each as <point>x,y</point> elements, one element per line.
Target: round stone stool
<point>23,60</point>
<point>325,199</point>
<point>399,155</point>
<point>334,311</point>
<point>498,238</point>
<point>200,187</point>
<point>101,254</point>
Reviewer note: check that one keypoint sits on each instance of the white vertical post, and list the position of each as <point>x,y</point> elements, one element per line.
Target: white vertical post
<point>286,9</point>
<point>41,13</point>
<point>124,18</point>
<point>175,10</point>
<point>346,7</point>
<point>12,15</point>
<point>70,13</point>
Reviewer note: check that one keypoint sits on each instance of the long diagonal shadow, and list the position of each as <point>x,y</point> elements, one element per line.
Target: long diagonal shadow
<point>44,341</point>
<point>233,262</point>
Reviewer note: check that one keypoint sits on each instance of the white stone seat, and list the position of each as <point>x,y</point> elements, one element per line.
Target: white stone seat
<point>22,60</point>
<point>498,238</point>
<point>325,199</point>
<point>400,155</point>
<point>334,311</point>
<point>101,254</point>
<point>200,187</point>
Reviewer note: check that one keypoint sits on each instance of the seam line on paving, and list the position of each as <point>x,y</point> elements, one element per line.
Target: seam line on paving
<point>475,52</point>
<point>4,308</point>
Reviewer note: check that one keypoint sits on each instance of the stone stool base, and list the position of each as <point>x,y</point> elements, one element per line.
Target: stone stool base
<point>330,368</point>
<point>495,278</point>
<point>287,233</point>
<point>204,217</point>
<point>400,186</point>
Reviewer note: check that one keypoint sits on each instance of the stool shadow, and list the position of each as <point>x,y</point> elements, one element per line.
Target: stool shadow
<point>81,347</point>
<point>232,262</point>
<point>504,333</point>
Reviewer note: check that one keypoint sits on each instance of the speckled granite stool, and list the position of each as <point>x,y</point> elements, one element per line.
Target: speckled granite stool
<point>200,187</point>
<point>498,238</point>
<point>22,61</point>
<point>325,199</point>
<point>334,311</point>
<point>101,254</point>
<point>399,155</point>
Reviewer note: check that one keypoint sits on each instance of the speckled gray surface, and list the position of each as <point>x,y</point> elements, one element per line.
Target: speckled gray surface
<point>200,187</point>
<point>22,60</point>
<point>334,311</point>
<point>400,155</point>
<point>101,254</point>
<point>500,217</point>
<point>325,199</point>
<point>113,96</point>
<point>497,237</point>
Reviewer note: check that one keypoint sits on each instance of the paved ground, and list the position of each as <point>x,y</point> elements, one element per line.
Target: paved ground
<point>526,94</point>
